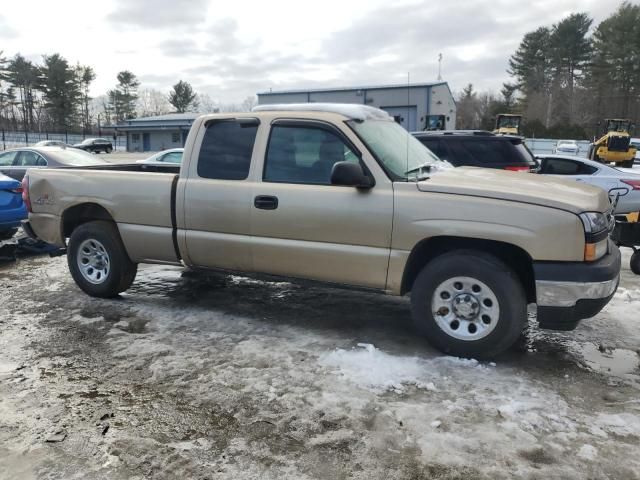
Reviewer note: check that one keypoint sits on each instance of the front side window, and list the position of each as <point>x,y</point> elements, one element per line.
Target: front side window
<point>6,159</point>
<point>304,155</point>
<point>225,153</point>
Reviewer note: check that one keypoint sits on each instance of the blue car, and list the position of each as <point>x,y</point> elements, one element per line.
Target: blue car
<point>12,208</point>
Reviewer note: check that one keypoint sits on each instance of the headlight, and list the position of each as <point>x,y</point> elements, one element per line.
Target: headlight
<point>594,222</point>
<point>596,228</point>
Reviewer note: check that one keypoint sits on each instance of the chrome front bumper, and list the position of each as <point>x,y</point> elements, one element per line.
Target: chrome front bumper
<point>566,294</point>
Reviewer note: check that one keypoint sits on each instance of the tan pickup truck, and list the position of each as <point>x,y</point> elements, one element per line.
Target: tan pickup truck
<point>343,194</point>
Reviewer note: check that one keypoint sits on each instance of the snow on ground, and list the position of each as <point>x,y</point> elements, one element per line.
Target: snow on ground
<point>230,377</point>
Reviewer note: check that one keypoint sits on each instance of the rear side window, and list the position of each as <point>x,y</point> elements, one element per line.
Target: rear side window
<point>483,152</point>
<point>559,166</point>
<point>225,153</point>
<point>437,146</point>
<point>30,159</point>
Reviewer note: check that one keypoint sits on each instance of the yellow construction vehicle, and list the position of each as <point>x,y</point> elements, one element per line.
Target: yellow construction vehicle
<point>508,124</point>
<point>615,145</point>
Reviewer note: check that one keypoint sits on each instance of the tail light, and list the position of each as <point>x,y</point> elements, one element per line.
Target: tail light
<point>17,190</point>
<point>634,184</point>
<point>25,193</point>
<point>518,169</point>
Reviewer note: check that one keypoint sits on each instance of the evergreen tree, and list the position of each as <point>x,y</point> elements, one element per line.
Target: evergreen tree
<point>60,88</point>
<point>182,97</point>
<point>23,75</point>
<point>615,75</point>
<point>123,98</point>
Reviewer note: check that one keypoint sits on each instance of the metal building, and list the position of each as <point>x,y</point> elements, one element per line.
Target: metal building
<point>152,134</point>
<point>418,106</point>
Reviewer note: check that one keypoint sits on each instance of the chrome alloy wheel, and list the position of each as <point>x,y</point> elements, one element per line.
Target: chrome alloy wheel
<point>93,261</point>
<point>465,308</point>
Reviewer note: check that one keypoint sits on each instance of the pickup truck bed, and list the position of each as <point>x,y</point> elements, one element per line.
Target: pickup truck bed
<point>146,225</point>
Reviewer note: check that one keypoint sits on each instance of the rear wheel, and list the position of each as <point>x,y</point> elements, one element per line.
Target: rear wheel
<point>635,262</point>
<point>108,150</point>
<point>98,261</point>
<point>7,234</point>
<point>469,304</point>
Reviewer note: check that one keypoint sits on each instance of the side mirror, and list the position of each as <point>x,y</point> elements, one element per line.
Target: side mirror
<point>349,174</point>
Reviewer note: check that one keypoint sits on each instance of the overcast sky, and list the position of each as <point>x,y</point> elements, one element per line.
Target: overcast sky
<point>232,49</point>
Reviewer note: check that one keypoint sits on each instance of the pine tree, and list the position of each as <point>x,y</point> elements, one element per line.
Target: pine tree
<point>60,88</point>
<point>182,97</point>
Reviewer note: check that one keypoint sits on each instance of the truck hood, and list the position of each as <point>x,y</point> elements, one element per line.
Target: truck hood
<point>518,187</point>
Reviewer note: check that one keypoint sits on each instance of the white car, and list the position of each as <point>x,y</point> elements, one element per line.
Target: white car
<point>621,183</point>
<point>173,156</point>
<point>635,142</point>
<point>567,146</point>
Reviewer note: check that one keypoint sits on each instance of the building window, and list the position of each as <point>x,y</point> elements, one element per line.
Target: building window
<point>135,137</point>
<point>175,137</point>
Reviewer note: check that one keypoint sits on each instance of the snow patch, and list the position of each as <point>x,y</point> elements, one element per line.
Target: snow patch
<point>588,452</point>
<point>375,370</point>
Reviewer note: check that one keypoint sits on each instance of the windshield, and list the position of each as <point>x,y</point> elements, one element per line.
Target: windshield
<point>402,156</point>
<point>508,122</point>
<point>75,157</point>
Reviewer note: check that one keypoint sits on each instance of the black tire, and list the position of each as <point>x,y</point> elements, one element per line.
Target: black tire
<point>627,164</point>
<point>7,234</point>
<point>108,150</point>
<point>122,271</point>
<point>503,284</point>
<point>635,262</point>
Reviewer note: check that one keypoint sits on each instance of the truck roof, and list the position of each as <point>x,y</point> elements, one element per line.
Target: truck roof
<point>349,110</point>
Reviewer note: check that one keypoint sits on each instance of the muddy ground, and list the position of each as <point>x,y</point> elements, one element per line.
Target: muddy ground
<point>213,376</point>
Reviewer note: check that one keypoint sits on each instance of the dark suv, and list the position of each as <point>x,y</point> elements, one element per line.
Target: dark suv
<point>477,148</point>
<point>95,145</point>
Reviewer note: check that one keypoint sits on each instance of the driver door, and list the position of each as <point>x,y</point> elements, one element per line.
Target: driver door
<point>302,226</point>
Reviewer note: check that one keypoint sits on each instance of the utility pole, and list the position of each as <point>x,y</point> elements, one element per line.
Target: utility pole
<point>439,66</point>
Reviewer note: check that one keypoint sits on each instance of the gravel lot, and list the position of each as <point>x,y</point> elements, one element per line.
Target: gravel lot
<point>212,376</point>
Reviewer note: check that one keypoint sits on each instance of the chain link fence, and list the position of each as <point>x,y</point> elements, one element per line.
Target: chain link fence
<point>13,139</point>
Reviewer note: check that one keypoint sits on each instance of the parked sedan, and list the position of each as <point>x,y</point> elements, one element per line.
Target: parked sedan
<point>172,156</point>
<point>95,145</point>
<point>51,143</point>
<point>621,183</point>
<point>567,146</point>
<point>14,163</point>
<point>12,209</point>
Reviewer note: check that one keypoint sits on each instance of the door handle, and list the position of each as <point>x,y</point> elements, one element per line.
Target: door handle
<point>265,202</point>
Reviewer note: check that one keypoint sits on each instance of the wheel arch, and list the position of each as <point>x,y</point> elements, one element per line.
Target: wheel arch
<point>82,213</point>
<point>430,248</point>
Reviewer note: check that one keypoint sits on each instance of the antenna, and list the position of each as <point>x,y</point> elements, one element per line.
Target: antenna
<point>408,116</point>
<point>439,66</point>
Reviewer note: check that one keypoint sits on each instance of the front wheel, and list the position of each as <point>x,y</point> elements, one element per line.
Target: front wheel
<point>469,304</point>
<point>98,261</point>
<point>108,150</point>
<point>627,164</point>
